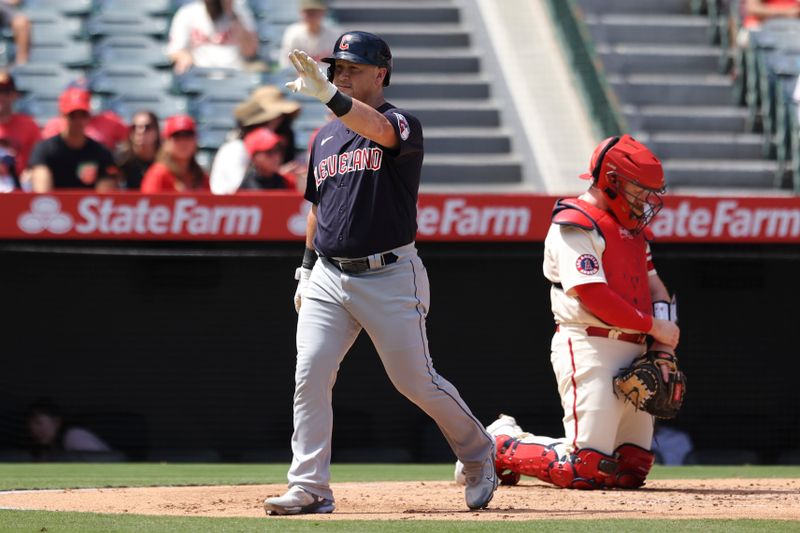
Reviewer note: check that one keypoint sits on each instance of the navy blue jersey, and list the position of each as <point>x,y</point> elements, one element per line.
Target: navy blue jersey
<point>366,194</point>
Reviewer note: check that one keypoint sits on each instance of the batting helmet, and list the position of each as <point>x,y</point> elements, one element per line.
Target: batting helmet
<point>624,159</point>
<point>361,47</point>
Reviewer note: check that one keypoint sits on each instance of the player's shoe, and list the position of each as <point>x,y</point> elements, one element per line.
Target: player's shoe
<point>481,482</point>
<point>298,501</point>
<point>505,425</point>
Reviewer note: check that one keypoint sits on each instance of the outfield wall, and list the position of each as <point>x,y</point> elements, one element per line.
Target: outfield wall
<point>190,346</point>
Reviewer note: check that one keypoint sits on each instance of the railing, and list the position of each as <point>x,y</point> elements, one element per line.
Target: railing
<point>596,92</point>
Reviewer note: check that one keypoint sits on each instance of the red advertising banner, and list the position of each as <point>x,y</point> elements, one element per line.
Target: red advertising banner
<point>280,216</point>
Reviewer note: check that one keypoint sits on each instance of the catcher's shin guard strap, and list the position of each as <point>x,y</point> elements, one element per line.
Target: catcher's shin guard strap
<point>585,469</point>
<point>526,458</point>
<point>634,464</point>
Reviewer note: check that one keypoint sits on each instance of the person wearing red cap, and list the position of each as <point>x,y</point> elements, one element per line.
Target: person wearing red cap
<point>105,127</point>
<point>72,159</point>
<point>176,168</point>
<point>18,131</point>
<point>265,149</point>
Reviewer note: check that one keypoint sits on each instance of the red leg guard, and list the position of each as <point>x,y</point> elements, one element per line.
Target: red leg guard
<point>585,469</point>
<point>634,464</point>
<point>523,458</point>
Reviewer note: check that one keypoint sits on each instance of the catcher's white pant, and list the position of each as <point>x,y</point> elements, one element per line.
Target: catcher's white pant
<point>391,304</point>
<point>594,417</point>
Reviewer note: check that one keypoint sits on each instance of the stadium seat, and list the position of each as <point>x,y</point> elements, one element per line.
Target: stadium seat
<point>216,110</point>
<point>42,107</point>
<point>210,138</point>
<point>131,50</point>
<point>216,80</point>
<point>42,78</point>
<point>283,11</point>
<point>51,26</point>
<point>125,23</point>
<point>143,7</point>
<point>67,7</point>
<point>129,79</point>
<point>163,105</point>
<point>73,54</point>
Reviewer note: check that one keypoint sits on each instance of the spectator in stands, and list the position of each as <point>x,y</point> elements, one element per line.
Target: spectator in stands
<point>51,434</point>
<point>8,175</point>
<point>754,12</point>
<point>176,168</point>
<point>105,127</point>
<point>71,159</point>
<point>18,132</point>
<point>671,445</point>
<point>266,107</point>
<point>20,26</point>
<point>140,151</point>
<point>265,149</point>
<point>212,33</point>
<point>311,33</point>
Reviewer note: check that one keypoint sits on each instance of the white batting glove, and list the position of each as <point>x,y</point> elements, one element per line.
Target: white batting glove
<point>310,79</point>
<point>302,274</point>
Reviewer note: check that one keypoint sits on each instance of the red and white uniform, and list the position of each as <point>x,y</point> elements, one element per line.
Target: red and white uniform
<point>606,441</point>
<point>584,364</point>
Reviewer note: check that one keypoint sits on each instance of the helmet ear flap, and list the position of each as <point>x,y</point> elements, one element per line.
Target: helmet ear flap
<point>599,163</point>
<point>331,69</point>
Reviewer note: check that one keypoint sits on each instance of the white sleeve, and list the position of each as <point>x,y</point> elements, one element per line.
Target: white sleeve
<point>579,256</point>
<point>287,45</point>
<point>228,168</point>
<point>82,440</point>
<point>245,15</point>
<point>179,30</point>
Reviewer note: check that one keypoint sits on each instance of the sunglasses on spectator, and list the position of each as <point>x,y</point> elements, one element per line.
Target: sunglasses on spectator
<point>145,127</point>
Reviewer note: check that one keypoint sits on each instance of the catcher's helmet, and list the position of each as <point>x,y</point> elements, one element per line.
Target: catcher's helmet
<point>624,159</point>
<point>361,47</point>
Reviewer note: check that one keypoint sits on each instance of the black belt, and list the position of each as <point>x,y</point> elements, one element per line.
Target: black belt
<point>361,264</point>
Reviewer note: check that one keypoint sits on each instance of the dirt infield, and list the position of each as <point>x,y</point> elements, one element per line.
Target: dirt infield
<point>439,500</point>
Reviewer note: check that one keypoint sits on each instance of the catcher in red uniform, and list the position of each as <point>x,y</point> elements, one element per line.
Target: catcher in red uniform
<point>613,351</point>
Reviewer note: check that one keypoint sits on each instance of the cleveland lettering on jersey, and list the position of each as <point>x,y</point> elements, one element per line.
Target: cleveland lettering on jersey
<point>350,161</point>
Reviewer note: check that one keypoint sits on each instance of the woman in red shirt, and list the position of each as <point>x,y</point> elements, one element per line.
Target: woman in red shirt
<point>176,169</point>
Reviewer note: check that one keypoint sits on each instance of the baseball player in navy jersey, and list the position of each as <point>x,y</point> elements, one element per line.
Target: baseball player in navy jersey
<point>361,271</point>
<point>606,298</point>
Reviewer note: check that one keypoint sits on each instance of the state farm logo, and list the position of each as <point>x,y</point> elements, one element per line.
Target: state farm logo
<point>727,218</point>
<point>457,218</point>
<point>45,215</point>
<point>141,216</point>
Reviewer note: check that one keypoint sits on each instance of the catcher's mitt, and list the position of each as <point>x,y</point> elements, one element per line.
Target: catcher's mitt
<point>653,383</point>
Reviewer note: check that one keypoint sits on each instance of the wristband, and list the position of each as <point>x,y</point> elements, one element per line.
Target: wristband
<point>309,258</point>
<point>661,310</point>
<point>340,104</point>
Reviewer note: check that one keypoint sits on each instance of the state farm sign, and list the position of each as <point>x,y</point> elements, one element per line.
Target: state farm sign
<point>456,217</point>
<point>107,216</point>
<point>728,219</point>
<point>281,216</point>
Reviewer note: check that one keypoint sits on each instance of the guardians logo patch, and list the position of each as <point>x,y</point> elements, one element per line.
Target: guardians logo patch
<point>587,264</point>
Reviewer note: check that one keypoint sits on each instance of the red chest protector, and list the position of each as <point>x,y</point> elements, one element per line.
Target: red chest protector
<point>625,257</point>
